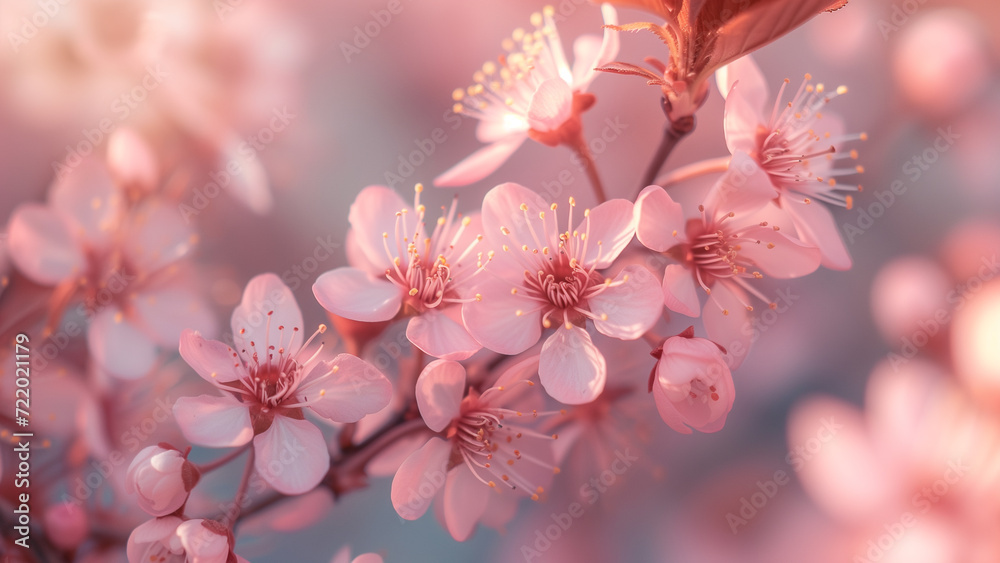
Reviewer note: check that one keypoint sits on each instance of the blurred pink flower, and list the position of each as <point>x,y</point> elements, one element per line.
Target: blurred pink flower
<point>703,35</point>
<point>426,275</point>
<point>344,556</point>
<point>66,524</point>
<point>172,540</point>
<point>162,478</point>
<point>270,383</point>
<point>484,447</point>
<point>691,383</point>
<point>547,277</point>
<point>720,251</point>
<point>797,145</point>
<point>534,93</point>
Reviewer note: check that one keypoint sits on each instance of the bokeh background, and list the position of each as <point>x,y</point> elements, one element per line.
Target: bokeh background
<point>914,68</point>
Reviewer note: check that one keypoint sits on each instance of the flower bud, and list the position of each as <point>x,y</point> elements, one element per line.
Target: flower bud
<point>161,477</point>
<point>692,384</point>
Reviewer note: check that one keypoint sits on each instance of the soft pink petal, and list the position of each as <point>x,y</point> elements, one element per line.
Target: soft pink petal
<point>632,308</point>
<point>419,479</point>
<point>88,196</point>
<point>744,189</point>
<point>571,368</point>
<point>742,120</point>
<point>465,500</point>
<point>165,312</point>
<point>150,531</point>
<point>353,389</point>
<point>368,558</point>
<point>495,323</point>
<point>213,421</point>
<point>157,235</point>
<point>357,258</point>
<point>481,163</point>
<point>680,294</point>
<point>291,455</point>
<point>745,71</point>
<point>501,126</point>
<point>551,105</point>
<point>777,255</point>
<point>120,347</point>
<point>502,209</point>
<point>439,391</point>
<point>442,334</point>
<point>131,160</point>
<point>815,225</point>
<point>659,220</point>
<point>590,51</point>
<point>249,185</point>
<point>356,295</point>
<point>372,215</point>
<point>684,413</point>
<point>42,245</point>
<point>267,315</point>
<point>211,359</point>
<point>727,321</point>
<point>609,227</point>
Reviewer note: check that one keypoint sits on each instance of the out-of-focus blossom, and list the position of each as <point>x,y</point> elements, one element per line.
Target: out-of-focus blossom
<point>344,556</point>
<point>798,145</point>
<point>941,61</point>
<point>161,477</point>
<point>721,250</point>
<point>548,277</point>
<point>704,35</point>
<point>534,92</point>
<point>426,276</point>
<point>172,540</point>
<point>67,525</point>
<point>485,448</point>
<point>269,384</point>
<point>691,383</point>
<point>975,342</point>
<point>907,293</point>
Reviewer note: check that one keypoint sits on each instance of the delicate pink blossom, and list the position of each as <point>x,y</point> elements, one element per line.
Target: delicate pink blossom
<point>721,251</point>
<point>162,478</point>
<point>691,383</point>
<point>485,449</point>
<point>426,275</point>
<point>547,277</point>
<point>172,540</point>
<point>344,556</point>
<point>532,93</point>
<point>268,384</point>
<point>798,145</point>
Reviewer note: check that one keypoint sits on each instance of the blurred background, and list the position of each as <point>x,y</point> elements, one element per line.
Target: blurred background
<point>863,393</point>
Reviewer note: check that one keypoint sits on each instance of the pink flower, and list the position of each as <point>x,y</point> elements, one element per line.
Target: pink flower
<point>269,384</point>
<point>162,478</point>
<point>120,263</point>
<point>484,450</point>
<point>533,93</point>
<point>691,383</point>
<point>703,35</point>
<point>797,144</point>
<point>344,556</point>
<point>720,251</point>
<point>425,275</point>
<point>546,277</point>
<point>66,524</point>
<point>172,540</point>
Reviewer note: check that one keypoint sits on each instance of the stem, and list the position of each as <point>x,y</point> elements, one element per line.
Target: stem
<point>365,451</point>
<point>213,465</point>
<point>675,131</point>
<point>579,146</point>
<point>700,168</point>
<point>241,492</point>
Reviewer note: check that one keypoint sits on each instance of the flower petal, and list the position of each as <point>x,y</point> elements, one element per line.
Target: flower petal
<point>165,312</point>
<point>659,220</point>
<point>743,189</point>
<point>88,196</point>
<point>726,321</point>
<point>291,455</point>
<point>372,215</point>
<point>495,323</point>
<point>571,369</point>
<point>815,225</point>
<point>42,245</point>
<point>551,105</point>
<point>439,391</point>
<point>354,388</point>
<point>680,294</point>
<point>119,346</point>
<point>481,163</point>
<point>131,160</point>
<point>502,210</point>
<point>419,479</point>
<point>745,71</point>
<point>742,119</point>
<point>356,295</point>
<point>267,315</point>
<point>157,236</point>
<point>440,333</point>
<point>777,255</point>
<point>211,359</point>
<point>213,421</point>
<point>249,185</point>
<point>610,227</point>
<point>465,500</point>
<point>590,51</point>
<point>632,308</point>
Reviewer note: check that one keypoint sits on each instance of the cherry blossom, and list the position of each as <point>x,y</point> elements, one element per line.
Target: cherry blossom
<point>267,385</point>
<point>427,276</point>
<point>162,478</point>
<point>547,277</point>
